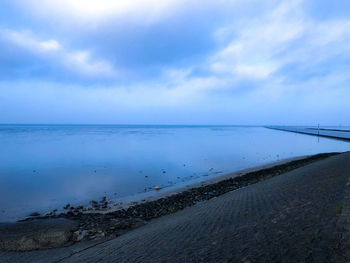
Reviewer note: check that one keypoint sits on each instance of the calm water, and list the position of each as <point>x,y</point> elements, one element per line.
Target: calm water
<point>45,167</point>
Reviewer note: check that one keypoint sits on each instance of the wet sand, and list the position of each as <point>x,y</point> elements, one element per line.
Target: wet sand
<point>287,212</point>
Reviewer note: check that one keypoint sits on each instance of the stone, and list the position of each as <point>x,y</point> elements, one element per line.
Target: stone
<point>80,235</point>
<point>36,234</point>
<point>34,214</point>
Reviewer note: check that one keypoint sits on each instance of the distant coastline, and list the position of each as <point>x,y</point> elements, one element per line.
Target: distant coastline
<point>343,135</point>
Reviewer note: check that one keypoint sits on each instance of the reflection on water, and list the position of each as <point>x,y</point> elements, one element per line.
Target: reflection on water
<point>44,167</point>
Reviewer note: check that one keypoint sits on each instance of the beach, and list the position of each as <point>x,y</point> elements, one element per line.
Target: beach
<point>288,197</point>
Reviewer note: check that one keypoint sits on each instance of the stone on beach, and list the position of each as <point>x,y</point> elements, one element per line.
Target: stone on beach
<point>80,235</point>
<point>34,214</point>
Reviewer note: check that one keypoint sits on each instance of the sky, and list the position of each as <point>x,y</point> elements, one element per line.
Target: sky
<point>247,62</point>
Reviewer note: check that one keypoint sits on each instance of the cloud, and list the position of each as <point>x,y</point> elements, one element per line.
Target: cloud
<point>252,52</point>
<point>200,61</point>
<point>283,45</point>
<point>82,62</point>
<point>79,62</point>
<point>93,11</point>
<point>142,12</point>
<point>25,40</point>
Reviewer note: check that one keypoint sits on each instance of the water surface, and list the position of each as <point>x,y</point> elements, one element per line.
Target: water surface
<point>44,167</point>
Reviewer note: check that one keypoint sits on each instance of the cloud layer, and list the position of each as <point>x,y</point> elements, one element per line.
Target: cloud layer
<point>193,62</point>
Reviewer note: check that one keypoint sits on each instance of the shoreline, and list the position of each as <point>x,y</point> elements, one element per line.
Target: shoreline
<point>106,205</point>
<point>316,133</point>
<point>94,225</point>
<point>214,180</point>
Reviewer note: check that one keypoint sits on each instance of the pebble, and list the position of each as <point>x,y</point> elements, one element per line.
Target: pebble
<point>93,202</point>
<point>80,235</point>
<point>34,214</point>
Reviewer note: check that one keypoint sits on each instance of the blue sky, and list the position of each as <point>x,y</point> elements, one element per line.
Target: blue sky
<point>175,61</point>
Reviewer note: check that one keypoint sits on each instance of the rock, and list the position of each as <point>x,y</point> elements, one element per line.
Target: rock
<point>67,206</point>
<point>34,214</point>
<point>80,235</point>
<point>94,203</point>
<point>36,234</point>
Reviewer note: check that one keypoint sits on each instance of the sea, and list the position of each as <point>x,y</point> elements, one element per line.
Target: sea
<point>44,167</point>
